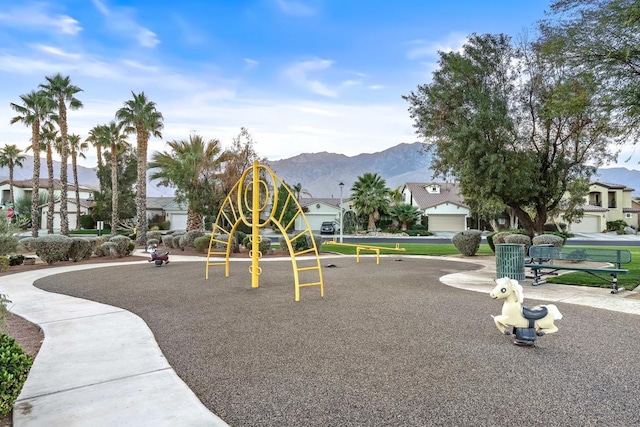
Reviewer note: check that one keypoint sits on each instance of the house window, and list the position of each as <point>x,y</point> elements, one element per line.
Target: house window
<point>627,215</point>
<point>612,200</point>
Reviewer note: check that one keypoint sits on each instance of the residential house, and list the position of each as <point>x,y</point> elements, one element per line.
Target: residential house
<point>319,210</point>
<point>440,202</point>
<point>606,202</point>
<point>22,188</point>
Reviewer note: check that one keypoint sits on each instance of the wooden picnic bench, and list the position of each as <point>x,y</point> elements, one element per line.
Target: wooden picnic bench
<point>542,259</point>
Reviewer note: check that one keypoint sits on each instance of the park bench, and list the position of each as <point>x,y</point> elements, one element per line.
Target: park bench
<point>542,260</point>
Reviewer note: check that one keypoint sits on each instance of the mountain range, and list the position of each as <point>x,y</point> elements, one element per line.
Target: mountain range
<point>321,173</point>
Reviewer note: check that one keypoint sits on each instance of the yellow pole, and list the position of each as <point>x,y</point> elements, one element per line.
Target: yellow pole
<point>255,235</point>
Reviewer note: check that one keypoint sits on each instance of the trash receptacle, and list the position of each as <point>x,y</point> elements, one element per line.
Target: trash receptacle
<point>510,261</point>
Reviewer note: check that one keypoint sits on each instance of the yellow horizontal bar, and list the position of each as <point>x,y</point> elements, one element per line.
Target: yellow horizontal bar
<point>310,284</point>
<point>308,268</point>
<point>367,247</point>
<point>306,251</point>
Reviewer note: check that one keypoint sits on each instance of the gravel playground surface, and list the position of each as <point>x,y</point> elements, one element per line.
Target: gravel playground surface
<point>387,345</point>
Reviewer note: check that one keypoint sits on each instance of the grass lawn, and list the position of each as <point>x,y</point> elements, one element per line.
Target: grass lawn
<point>628,281</point>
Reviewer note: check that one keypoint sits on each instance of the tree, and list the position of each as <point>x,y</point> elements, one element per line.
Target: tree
<point>10,157</point>
<point>140,116</point>
<point>193,167</point>
<point>512,125</point>
<point>369,196</point>
<point>77,148</point>
<point>97,140</point>
<point>126,176</point>
<point>405,214</point>
<point>48,138</point>
<point>601,36</point>
<point>240,156</point>
<point>61,91</point>
<point>35,109</point>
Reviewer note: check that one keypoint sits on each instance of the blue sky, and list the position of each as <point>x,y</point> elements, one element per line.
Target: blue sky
<point>302,75</point>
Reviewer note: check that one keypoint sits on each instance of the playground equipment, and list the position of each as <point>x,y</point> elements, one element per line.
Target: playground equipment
<point>159,259</point>
<point>256,201</point>
<point>360,247</point>
<point>525,323</point>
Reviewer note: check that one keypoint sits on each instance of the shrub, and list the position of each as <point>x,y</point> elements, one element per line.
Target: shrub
<point>16,260</point>
<point>519,239</point>
<point>14,367</point>
<point>8,244</point>
<point>467,242</point>
<point>87,222</point>
<point>235,244</point>
<point>167,241</point>
<point>175,241</point>
<point>29,244</point>
<point>201,244</point>
<point>318,239</point>
<point>616,225</point>
<point>97,245</point>
<point>53,248</point>
<point>186,240</point>
<point>122,246</point>
<point>4,263</point>
<point>154,235</point>
<point>80,249</point>
<point>153,242</point>
<point>264,246</point>
<point>108,249</point>
<point>548,239</point>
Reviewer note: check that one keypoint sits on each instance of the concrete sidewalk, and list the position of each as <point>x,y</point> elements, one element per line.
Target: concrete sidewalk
<point>100,365</point>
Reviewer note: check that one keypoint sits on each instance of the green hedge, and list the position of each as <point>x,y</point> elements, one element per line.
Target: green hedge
<point>14,367</point>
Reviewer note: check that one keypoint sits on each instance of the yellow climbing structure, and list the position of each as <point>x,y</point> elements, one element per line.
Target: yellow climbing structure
<point>254,201</point>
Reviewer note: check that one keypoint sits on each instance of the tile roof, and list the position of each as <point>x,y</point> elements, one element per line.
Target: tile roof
<point>612,186</point>
<point>449,193</point>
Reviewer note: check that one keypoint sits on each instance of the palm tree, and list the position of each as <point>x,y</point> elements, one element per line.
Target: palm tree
<point>193,168</point>
<point>77,147</point>
<point>117,144</point>
<point>369,196</point>
<point>60,89</point>
<point>11,156</point>
<point>99,140</point>
<point>48,138</point>
<point>405,213</point>
<point>140,116</point>
<point>35,108</point>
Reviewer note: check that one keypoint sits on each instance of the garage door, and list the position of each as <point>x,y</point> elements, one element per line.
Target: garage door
<point>588,224</point>
<point>178,221</point>
<point>447,222</point>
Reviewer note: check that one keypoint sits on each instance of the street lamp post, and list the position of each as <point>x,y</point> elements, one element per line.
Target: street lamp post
<point>341,185</point>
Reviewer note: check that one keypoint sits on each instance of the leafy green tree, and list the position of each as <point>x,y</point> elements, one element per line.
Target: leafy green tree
<point>601,36</point>
<point>289,208</point>
<point>76,149</point>
<point>35,109</point>
<point>140,116</point>
<point>240,157</point>
<point>512,124</point>
<point>405,214</point>
<point>10,157</point>
<point>126,176</point>
<point>369,196</point>
<point>61,91</point>
<point>193,168</point>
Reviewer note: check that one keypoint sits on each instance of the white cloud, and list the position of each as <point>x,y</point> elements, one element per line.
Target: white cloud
<point>429,49</point>
<point>296,8</point>
<point>299,74</point>
<point>251,63</point>
<point>121,21</point>
<point>52,50</point>
<point>38,16</point>
<point>376,87</point>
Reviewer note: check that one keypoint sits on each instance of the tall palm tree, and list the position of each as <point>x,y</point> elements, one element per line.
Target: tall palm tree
<point>117,145</point>
<point>140,116</point>
<point>369,195</point>
<point>96,140</point>
<point>35,109</point>
<point>193,168</point>
<point>77,148</point>
<point>60,89</point>
<point>10,157</point>
<point>48,138</point>
<point>99,140</point>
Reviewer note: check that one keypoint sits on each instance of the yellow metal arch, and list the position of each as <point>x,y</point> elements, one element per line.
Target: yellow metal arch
<point>251,199</point>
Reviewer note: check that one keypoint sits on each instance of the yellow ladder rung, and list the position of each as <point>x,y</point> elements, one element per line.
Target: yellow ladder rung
<point>216,263</point>
<point>217,253</point>
<point>306,251</point>
<point>317,267</point>
<point>310,284</point>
